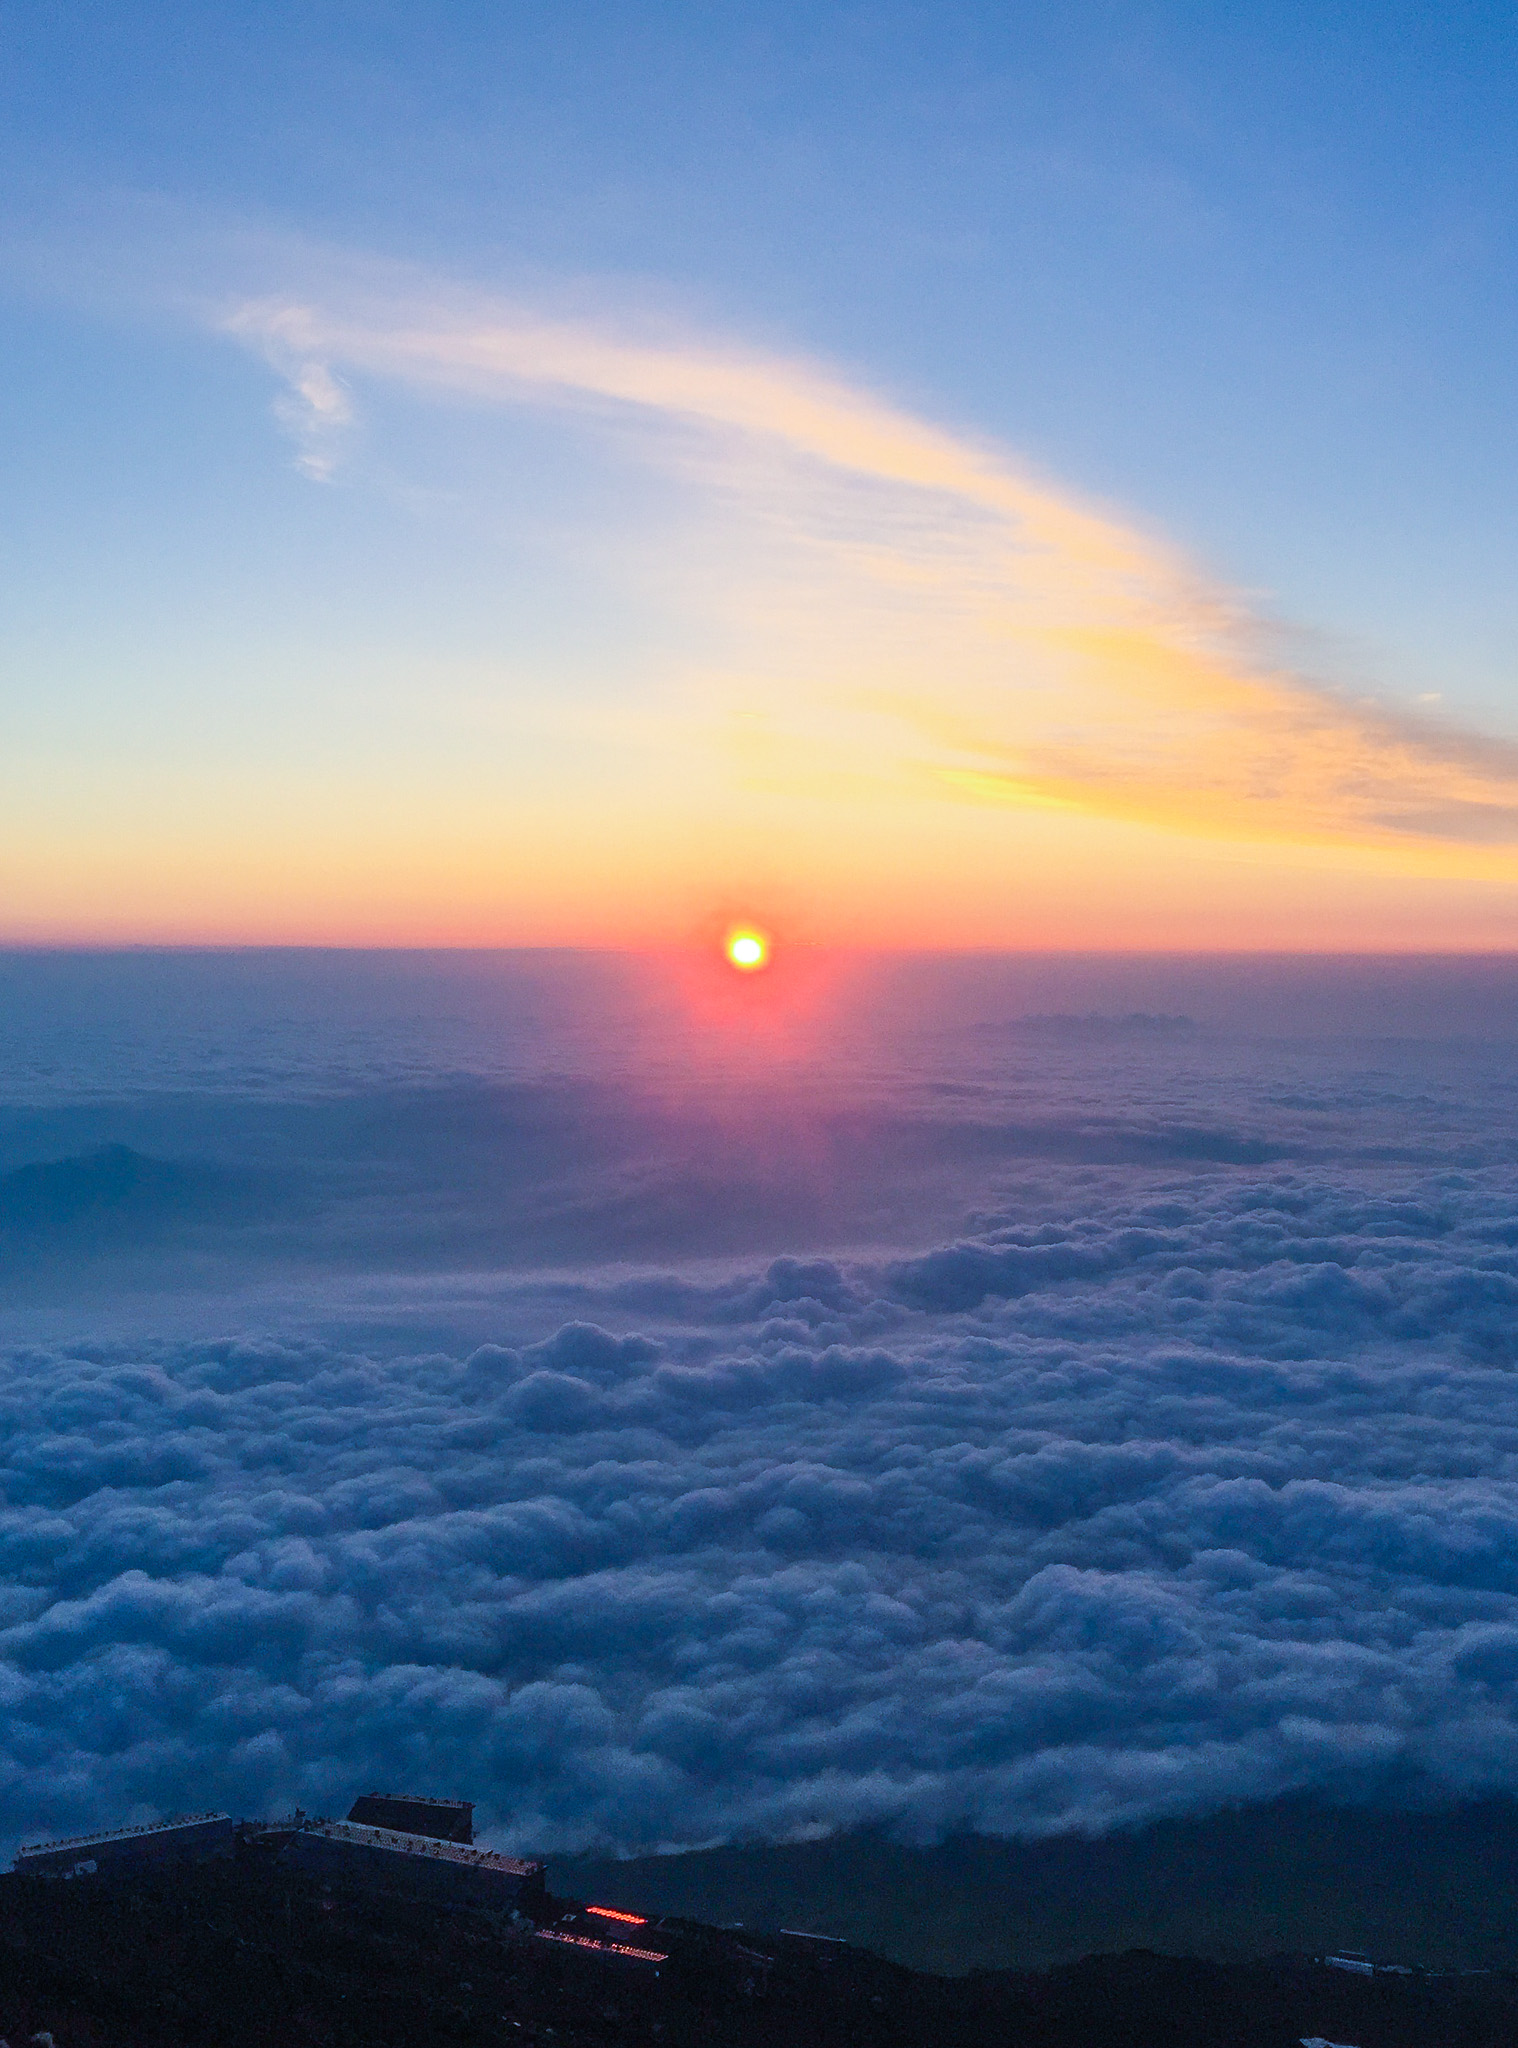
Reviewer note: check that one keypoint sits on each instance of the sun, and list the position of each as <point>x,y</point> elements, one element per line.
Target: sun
<point>746,949</point>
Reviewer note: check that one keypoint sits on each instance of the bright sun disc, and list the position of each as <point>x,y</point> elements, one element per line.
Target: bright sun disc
<point>747,950</point>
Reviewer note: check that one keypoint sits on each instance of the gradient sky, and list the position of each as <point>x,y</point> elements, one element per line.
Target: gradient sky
<point>954,475</point>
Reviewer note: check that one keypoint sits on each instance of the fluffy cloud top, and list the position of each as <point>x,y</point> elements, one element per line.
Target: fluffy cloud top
<point>1193,1484</point>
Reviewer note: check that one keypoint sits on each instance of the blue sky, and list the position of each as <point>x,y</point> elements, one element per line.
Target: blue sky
<point>1241,278</point>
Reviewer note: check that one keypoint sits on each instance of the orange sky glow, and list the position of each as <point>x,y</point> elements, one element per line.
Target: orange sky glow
<point>909,695</point>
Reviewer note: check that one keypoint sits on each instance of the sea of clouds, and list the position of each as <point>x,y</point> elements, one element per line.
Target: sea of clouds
<point>1185,1470</point>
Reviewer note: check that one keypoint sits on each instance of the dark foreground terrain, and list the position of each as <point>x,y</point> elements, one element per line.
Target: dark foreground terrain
<point>1436,1886</point>
<point>243,1953</point>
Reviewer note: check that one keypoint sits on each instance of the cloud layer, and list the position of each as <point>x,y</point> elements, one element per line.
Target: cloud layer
<point>1184,1487</point>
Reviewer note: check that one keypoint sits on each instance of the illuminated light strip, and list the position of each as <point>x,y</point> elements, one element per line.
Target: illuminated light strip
<point>605,1948</point>
<point>611,1913</point>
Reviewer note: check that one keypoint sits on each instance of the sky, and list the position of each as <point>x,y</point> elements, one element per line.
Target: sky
<point>1013,504</point>
<point>913,477</point>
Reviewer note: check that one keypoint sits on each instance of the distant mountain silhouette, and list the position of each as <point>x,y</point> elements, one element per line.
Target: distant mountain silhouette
<point>111,1190</point>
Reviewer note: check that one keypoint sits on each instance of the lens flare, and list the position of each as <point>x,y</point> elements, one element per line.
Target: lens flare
<point>747,950</point>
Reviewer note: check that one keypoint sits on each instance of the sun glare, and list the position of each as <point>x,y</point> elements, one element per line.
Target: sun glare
<point>747,950</point>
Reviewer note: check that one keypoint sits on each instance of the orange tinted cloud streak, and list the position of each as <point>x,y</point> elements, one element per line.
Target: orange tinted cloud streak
<point>924,615</point>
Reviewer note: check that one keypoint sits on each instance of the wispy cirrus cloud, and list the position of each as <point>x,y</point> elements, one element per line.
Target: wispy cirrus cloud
<point>314,412</point>
<point>946,616</point>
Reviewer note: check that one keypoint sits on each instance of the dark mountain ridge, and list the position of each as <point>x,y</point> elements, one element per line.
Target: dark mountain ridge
<point>1436,1887</point>
<point>244,1953</point>
<point>113,1190</point>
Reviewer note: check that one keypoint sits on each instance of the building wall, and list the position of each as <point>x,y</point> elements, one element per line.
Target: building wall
<point>423,1876</point>
<point>111,1854</point>
<point>443,1820</point>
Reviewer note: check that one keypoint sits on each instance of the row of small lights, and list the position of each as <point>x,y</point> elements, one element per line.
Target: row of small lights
<point>605,1948</point>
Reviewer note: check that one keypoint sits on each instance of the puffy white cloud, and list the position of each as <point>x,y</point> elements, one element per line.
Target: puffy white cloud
<point>1168,1487</point>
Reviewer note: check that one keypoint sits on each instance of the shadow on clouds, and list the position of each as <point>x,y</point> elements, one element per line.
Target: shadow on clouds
<point>531,1173</point>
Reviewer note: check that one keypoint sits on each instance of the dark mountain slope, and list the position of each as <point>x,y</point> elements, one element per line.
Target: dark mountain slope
<point>1437,1887</point>
<point>245,1954</point>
